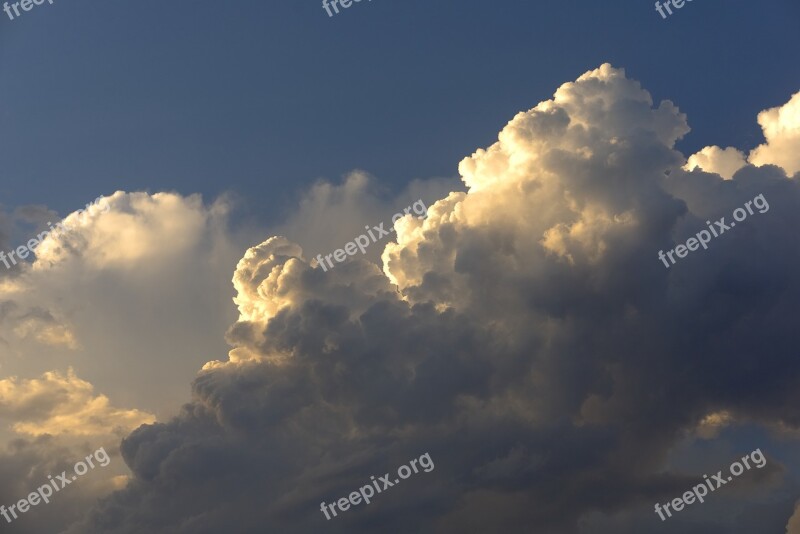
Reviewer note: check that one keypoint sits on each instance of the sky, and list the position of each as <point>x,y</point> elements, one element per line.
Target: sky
<point>541,255</point>
<point>264,98</point>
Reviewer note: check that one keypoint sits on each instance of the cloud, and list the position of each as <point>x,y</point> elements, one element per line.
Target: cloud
<point>524,334</point>
<point>133,282</point>
<point>711,425</point>
<point>88,299</point>
<point>781,127</point>
<point>32,323</point>
<point>57,420</point>
<point>714,159</point>
<point>330,215</point>
<point>63,404</point>
<point>25,465</point>
<point>793,527</point>
<point>107,297</point>
<point>129,231</point>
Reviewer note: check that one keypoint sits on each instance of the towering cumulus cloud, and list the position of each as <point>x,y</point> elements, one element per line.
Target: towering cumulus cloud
<point>524,334</point>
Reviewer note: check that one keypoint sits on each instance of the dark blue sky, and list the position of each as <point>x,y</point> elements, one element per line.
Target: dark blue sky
<point>263,98</point>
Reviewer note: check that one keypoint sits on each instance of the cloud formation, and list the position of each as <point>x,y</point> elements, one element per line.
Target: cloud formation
<point>781,128</point>
<point>714,159</point>
<point>119,290</point>
<point>58,404</point>
<point>84,324</point>
<point>524,334</point>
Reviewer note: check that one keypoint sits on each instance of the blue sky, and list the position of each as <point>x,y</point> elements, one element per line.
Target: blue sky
<point>263,98</point>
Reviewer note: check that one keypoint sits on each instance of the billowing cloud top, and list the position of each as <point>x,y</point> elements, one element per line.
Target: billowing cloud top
<point>524,334</point>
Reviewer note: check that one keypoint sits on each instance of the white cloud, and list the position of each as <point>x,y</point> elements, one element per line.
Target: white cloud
<point>714,159</point>
<point>781,126</point>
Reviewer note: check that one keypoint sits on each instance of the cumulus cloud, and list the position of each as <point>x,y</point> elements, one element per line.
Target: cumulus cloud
<point>63,404</point>
<point>133,282</point>
<point>105,296</point>
<point>524,334</point>
<point>329,215</point>
<point>714,159</point>
<point>115,259</point>
<point>56,420</point>
<point>135,230</point>
<point>781,127</point>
